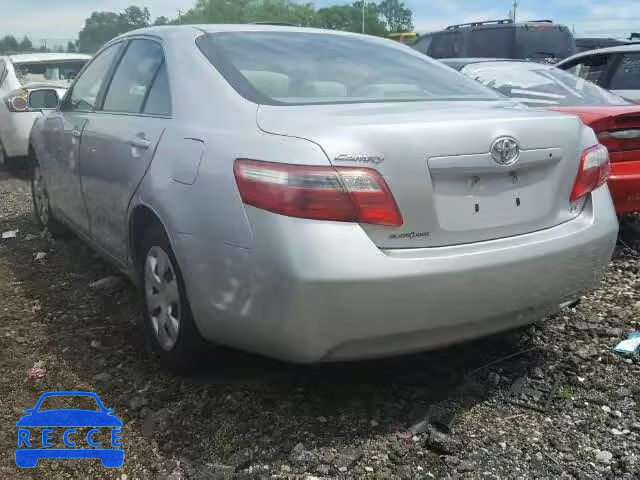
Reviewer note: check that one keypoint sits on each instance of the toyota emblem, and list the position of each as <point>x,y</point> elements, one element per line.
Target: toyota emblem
<point>505,151</point>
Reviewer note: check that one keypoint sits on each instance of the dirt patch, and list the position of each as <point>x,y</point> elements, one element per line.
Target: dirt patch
<point>263,419</point>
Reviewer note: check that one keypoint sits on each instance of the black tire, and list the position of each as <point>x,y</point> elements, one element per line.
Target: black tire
<point>183,356</point>
<point>40,200</point>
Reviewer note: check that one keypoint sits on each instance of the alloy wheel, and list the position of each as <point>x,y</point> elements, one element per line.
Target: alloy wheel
<point>163,297</point>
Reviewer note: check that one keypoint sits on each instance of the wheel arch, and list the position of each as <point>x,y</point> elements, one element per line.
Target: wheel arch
<point>142,217</point>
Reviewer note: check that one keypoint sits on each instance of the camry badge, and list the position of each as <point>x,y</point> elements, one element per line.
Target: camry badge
<point>505,151</point>
<point>361,158</point>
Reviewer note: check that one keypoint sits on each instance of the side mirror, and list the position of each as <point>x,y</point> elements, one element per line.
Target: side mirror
<point>43,99</point>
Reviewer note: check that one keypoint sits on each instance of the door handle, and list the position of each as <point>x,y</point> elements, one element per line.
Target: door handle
<point>140,142</point>
<point>76,133</point>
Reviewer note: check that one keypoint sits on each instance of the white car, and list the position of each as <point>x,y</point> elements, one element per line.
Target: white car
<point>615,68</point>
<point>18,74</point>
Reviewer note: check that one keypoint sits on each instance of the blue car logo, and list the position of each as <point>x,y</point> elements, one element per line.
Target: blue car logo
<point>34,445</point>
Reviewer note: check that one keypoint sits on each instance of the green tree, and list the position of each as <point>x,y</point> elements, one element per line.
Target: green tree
<point>281,11</point>
<point>98,29</point>
<point>134,17</point>
<point>25,45</point>
<point>349,18</point>
<point>218,11</point>
<point>396,16</point>
<point>72,47</point>
<point>162,20</point>
<point>9,44</point>
<point>101,27</point>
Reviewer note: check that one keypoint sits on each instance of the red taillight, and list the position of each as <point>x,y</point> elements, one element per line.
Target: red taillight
<point>593,172</point>
<point>342,194</point>
<point>17,101</point>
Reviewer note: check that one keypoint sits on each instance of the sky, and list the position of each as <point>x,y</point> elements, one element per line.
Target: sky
<point>62,19</point>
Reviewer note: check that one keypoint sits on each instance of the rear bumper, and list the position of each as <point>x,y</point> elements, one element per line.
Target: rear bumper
<point>624,184</point>
<point>321,291</point>
<point>15,133</point>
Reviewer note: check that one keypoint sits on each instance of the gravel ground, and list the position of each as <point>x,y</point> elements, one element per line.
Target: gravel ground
<point>436,415</point>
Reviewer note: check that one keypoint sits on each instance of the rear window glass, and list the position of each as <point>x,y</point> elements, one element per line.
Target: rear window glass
<point>423,44</point>
<point>491,42</point>
<point>51,72</point>
<point>544,41</point>
<point>539,85</point>
<point>446,44</point>
<point>284,68</point>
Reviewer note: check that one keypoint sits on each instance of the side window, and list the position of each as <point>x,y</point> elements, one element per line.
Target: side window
<point>134,76</point>
<point>159,99</point>
<point>627,74</point>
<point>591,68</point>
<point>86,89</point>
<point>423,44</point>
<point>445,45</point>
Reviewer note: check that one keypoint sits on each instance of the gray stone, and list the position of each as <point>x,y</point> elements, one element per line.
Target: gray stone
<point>604,456</point>
<point>102,377</point>
<point>614,332</point>
<point>441,442</point>
<point>300,456</point>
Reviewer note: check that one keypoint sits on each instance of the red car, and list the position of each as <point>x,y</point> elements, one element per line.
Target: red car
<point>618,129</point>
<point>615,120</point>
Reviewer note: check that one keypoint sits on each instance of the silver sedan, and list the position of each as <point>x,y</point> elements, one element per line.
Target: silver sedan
<point>319,196</point>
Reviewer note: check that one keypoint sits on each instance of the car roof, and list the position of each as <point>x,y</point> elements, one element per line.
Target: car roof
<point>635,47</point>
<point>490,24</point>
<point>46,57</point>
<point>167,30</point>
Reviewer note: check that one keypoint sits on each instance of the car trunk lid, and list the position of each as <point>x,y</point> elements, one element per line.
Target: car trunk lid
<point>435,157</point>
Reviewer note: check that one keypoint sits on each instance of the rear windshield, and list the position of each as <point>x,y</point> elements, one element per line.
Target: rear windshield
<point>61,73</point>
<point>539,85</point>
<point>294,68</point>
<point>538,41</point>
<point>543,41</point>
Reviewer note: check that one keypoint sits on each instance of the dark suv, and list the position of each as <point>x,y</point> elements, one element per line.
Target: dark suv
<point>540,40</point>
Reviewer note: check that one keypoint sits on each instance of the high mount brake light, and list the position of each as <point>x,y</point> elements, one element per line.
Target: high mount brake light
<point>343,194</point>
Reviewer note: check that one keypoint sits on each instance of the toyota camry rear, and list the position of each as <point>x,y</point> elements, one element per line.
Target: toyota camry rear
<point>393,204</point>
<point>318,196</point>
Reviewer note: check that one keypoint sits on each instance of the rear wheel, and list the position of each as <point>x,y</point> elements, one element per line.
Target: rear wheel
<point>169,325</point>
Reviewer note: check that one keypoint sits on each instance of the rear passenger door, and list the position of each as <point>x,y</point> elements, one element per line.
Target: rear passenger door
<point>119,141</point>
<point>624,79</point>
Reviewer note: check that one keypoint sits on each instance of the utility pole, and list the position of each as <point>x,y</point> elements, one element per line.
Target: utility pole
<point>515,9</point>
<point>364,6</point>
<point>179,17</point>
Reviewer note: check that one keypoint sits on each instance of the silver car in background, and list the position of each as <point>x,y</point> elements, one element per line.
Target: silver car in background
<point>20,74</point>
<point>318,196</point>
